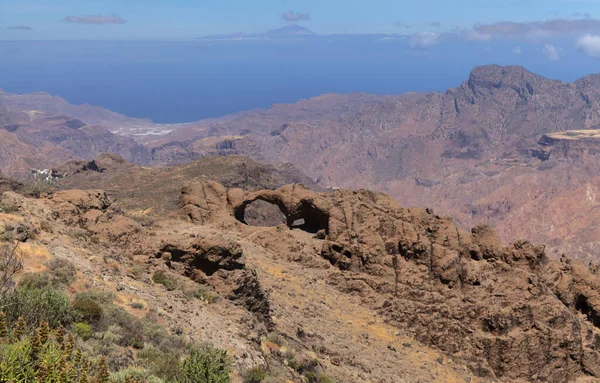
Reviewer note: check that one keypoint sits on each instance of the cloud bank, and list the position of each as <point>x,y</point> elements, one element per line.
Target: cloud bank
<point>537,30</point>
<point>95,19</point>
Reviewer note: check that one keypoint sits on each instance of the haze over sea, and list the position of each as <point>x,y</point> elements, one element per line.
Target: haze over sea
<point>181,81</point>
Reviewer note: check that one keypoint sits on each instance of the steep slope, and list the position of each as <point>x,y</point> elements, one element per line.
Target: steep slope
<point>354,285</point>
<point>38,141</point>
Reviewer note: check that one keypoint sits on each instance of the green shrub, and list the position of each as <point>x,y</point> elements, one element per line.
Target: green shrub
<point>169,281</point>
<point>206,364</point>
<point>97,296</point>
<point>325,379</point>
<point>62,272</point>
<point>83,330</point>
<point>134,374</point>
<point>201,292</point>
<point>163,364</point>
<point>88,310</point>
<point>9,209</point>
<point>138,271</point>
<point>38,357</point>
<point>255,375</point>
<point>35,281</point>
<point>275,338</point>
<point>38,305</point>
<point>78,234</point>
<point>136,305</point>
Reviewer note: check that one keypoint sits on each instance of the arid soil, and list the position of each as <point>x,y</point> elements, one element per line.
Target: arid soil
<point>375,292</point>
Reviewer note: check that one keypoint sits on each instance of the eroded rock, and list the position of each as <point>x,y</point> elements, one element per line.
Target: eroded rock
<point>507,311</point>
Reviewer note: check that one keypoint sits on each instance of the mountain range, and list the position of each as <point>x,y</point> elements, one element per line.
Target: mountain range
<point>489,151</point>
<point>478,152</point>
<point>250,246</point>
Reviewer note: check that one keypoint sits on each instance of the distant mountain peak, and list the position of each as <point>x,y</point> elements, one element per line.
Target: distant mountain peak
<point>496,76</point>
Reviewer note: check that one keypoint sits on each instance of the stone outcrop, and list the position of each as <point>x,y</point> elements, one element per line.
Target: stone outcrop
<point>91,210</point>
<point>202,257</point>
<point>507,311</point>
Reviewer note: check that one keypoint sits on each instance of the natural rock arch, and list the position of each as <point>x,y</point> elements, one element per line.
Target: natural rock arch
<point>311,217</point>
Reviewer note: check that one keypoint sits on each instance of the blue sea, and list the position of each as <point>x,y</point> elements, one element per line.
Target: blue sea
<point>181,81</point>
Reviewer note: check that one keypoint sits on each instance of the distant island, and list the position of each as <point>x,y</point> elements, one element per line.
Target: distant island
<point>293,31</point>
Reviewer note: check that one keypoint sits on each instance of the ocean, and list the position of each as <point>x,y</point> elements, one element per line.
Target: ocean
<point>182,81</point>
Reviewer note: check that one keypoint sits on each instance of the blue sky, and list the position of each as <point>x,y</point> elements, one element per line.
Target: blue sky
<point>143,58</point>
<point>180,19</point>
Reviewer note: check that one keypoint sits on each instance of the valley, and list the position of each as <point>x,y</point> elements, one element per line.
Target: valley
<point>423,237</point>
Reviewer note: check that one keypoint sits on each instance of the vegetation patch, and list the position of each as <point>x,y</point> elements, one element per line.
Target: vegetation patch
<point>165,279</point>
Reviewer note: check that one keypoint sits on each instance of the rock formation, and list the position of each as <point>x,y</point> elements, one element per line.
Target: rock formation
<point>507,311</point>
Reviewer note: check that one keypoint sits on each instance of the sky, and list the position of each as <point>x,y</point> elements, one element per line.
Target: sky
<point>180,19</point>
<point>145,58</point>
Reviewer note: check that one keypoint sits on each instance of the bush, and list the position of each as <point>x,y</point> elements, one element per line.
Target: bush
<point>138,271</point>
<point>201,292</point>
<point>165,279</point>
<point>38,357</point>
<point>35,281</point>
<point>162,364</point>
<point>88,310</point>
<point>9,209</point>
<point>206,364</point>
<point>134,374</point>
<point>255,375</point>
<point>62,272</point>
<point>78,234</point>
<point>38,305</point>
<point>97,296</point>
<point>325,379</point>
<point>275,338</point>
<point>137,305</point>
<point>83,330</point>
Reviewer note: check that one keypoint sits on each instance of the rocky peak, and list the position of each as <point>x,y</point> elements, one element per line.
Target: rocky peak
<point>497,77</point>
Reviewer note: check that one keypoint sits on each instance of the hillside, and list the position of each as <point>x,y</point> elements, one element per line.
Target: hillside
<point>34,140</point>
<point>354,288</point>
<point>147,192</point>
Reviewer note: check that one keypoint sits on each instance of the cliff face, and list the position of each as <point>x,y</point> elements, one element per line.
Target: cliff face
<point>576,144</point>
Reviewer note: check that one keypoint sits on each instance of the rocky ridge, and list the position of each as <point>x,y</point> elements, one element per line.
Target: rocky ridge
<point>371,289</point>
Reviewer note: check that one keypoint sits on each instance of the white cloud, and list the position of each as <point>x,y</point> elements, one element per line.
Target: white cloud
<point>476,36</point>
<point>517,50</point>
<point>539,30</point>
<point>590,45</point>
<point>424,39</point>
<point>551,52</point>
